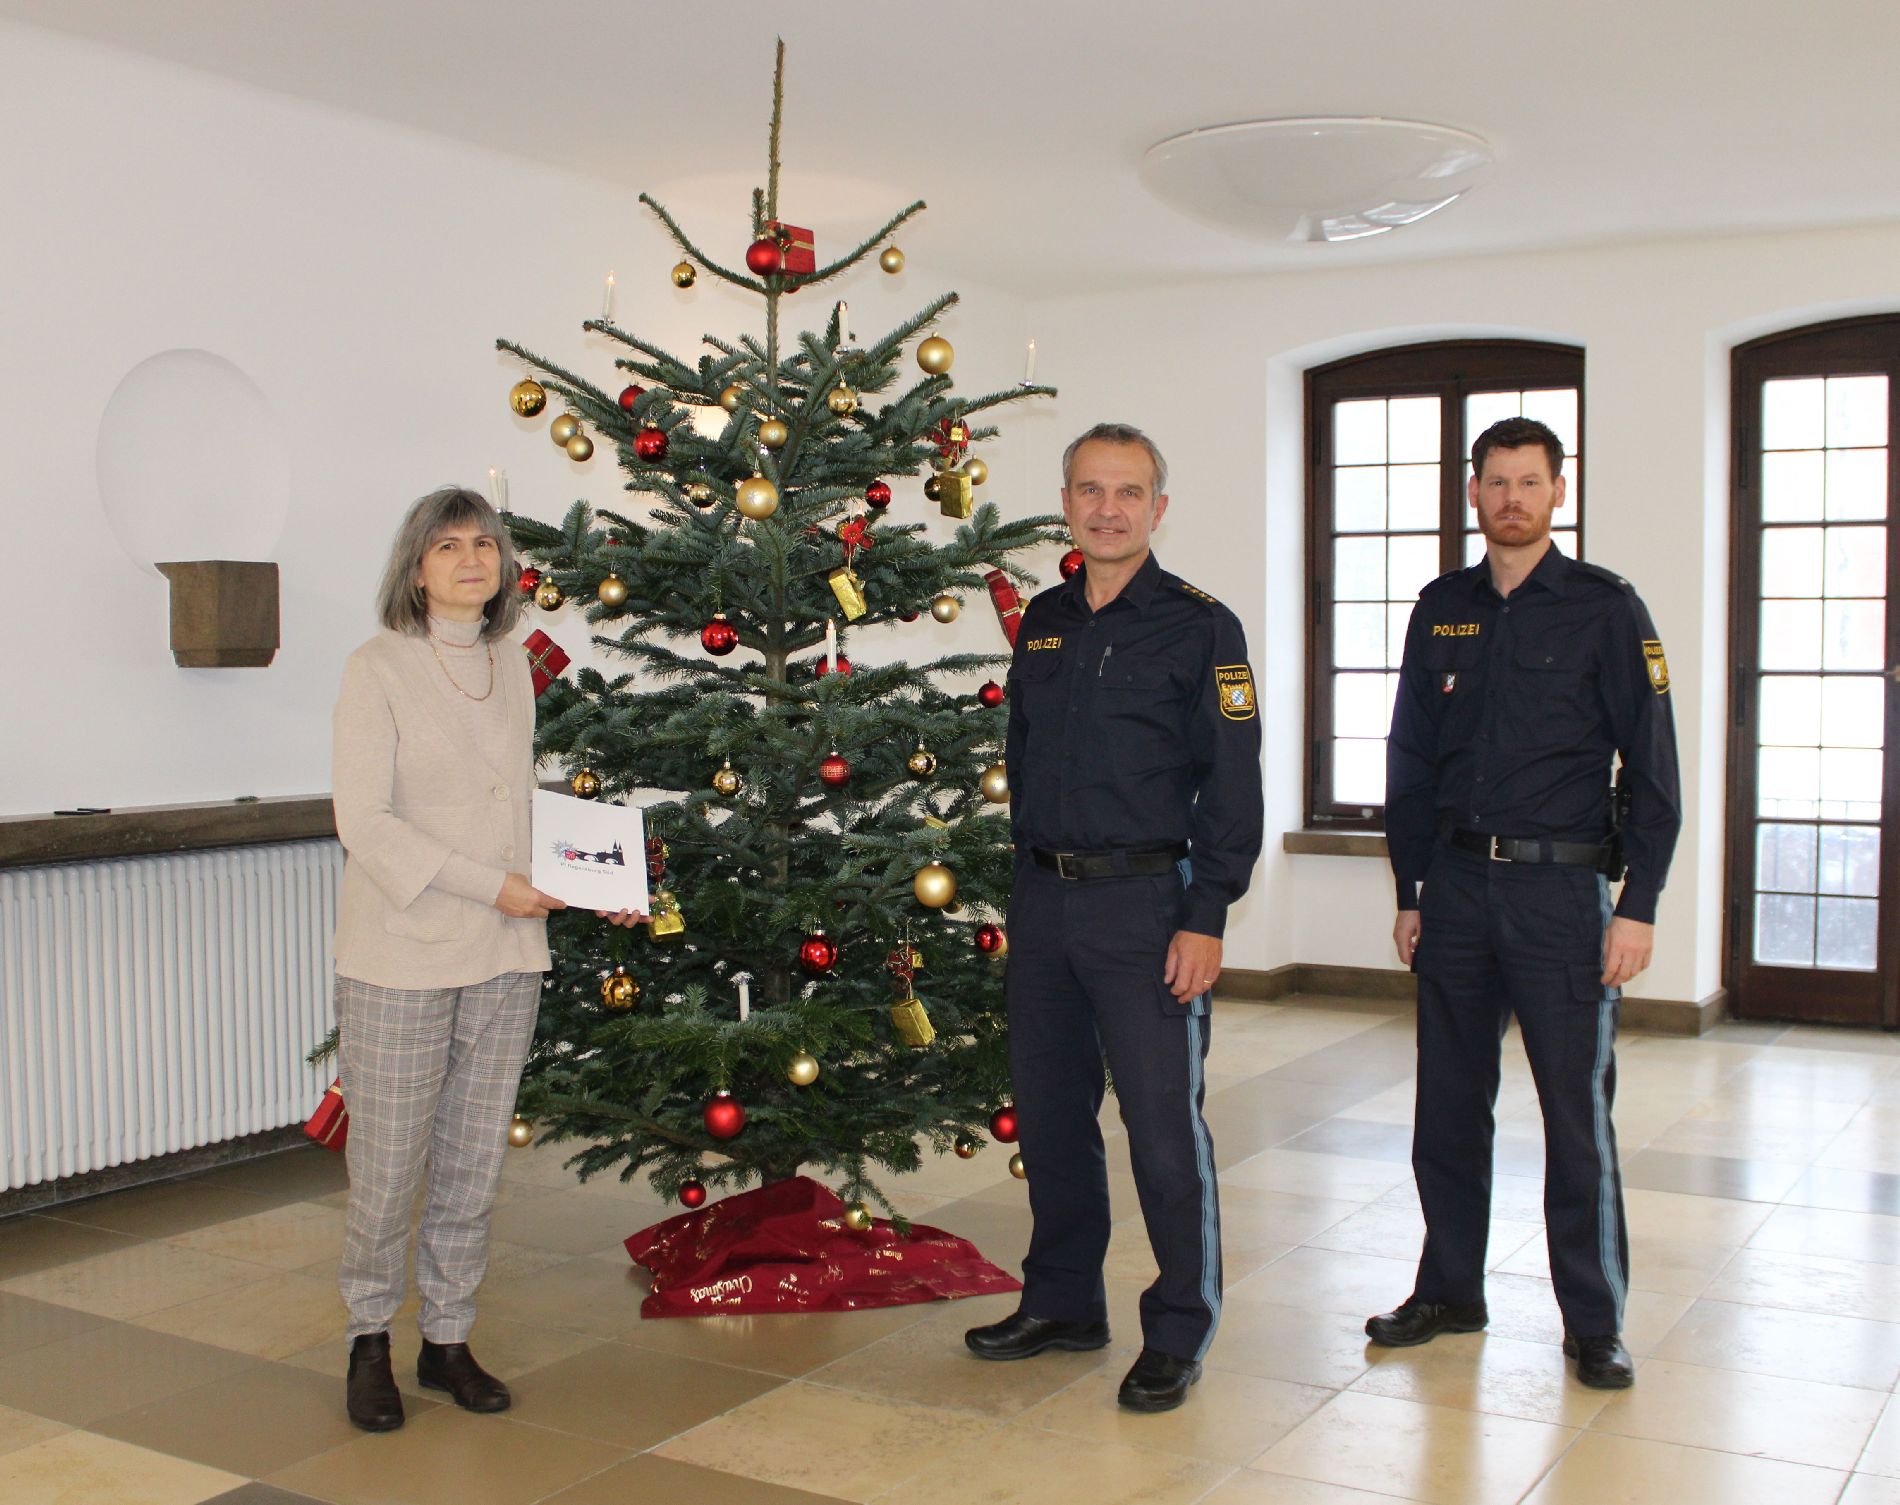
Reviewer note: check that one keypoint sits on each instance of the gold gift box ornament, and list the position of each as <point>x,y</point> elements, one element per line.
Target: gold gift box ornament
<point>911,1022</point>
<point>665,917</point>
<point>954,500</point>
<point>849,590</point>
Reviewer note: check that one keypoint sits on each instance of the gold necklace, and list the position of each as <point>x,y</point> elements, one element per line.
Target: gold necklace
<point>490,648</point>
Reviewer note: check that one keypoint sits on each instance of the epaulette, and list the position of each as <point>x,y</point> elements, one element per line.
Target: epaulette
<point>1197,593</point>
<point>1609,577</point>
<point>1432,585</point>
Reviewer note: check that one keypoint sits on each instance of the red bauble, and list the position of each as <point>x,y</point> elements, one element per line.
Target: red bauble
<point>692,1194</point>
<point>719,637</point>
<point>823,667</point>
<point>630,395</point>
<point>530,580</point>
<point>725,1115</point>
<point>835,771</point>
<point>1071,562</point>
<point>989,939</point>
<point>1003,1124</point>
<point>907,616</point>
<point>650,445</point>
<point>819,954</point>
<point>878,494</point>
<point>991,694</point>
<point>764,257</point>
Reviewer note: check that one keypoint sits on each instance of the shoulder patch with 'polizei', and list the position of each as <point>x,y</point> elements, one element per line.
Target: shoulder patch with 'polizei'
<point>1658,665</point>
<point>1235,684</point>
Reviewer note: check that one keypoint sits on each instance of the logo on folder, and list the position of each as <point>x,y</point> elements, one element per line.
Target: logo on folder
<point>1235,684</point>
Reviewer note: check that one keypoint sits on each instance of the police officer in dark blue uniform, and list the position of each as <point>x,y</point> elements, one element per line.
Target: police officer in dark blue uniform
<point>1134,772</point>
<point>1523,677</point>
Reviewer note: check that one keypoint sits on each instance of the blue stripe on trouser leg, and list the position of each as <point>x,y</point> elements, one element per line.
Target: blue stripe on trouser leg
<point>1608,1193</point>
<point>1204,1164</point>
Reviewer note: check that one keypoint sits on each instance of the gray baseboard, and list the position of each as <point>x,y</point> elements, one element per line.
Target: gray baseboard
<point>50,1194</point>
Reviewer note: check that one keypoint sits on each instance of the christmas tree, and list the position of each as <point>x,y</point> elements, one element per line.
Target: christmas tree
<point>831,840</point>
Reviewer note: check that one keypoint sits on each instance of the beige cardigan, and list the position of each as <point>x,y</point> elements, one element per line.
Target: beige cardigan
<point>430,829</point>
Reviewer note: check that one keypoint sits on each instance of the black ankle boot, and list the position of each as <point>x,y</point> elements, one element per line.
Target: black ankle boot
<point>451,1367</point>
<point>370,1394</point>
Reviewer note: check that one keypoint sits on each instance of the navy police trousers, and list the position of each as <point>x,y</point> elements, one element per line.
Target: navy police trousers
<point>1498,939</point>
<point>1084,983</point>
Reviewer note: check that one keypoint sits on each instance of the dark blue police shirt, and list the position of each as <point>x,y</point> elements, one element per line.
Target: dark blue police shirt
<point>1510,710</point>
<point>1138,726</point>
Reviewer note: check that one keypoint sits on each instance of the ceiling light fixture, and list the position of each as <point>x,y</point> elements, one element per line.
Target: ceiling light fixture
<point>1318,178</point>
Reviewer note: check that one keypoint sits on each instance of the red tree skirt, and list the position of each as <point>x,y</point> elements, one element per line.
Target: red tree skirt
<point>785,1248</point>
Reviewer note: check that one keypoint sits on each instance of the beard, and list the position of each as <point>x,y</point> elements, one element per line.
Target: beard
<point>1513,530</point>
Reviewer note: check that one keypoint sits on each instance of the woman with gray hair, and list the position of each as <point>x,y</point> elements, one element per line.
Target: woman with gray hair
<point>440,939</point>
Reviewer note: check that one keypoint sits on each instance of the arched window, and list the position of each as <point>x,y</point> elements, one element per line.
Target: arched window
<point>1388,438</point>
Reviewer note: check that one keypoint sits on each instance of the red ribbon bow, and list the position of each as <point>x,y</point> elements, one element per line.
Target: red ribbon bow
<point>855,535</point>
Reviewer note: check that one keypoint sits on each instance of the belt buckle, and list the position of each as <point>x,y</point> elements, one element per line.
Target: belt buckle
<point>1062,867</point>
<point>1495,854</point>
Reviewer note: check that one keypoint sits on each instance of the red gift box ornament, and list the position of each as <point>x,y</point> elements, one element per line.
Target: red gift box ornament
<point>800,255</point>
<point>1009,605</point>
<point>545,659</point>
<point>330,1124</point>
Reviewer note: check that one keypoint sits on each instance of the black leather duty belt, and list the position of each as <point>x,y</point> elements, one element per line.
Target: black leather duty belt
<point>1529,849</point>
<point>1124,862</point>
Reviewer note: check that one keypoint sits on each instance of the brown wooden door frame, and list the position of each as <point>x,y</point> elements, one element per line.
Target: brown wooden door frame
<point>1837,348</point>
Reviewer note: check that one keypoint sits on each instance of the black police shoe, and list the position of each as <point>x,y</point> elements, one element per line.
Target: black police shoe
<point>1023,1336</point>
<point>1416,1322</point>
<point>1158,1382</point>
<point>1602,1363</point>
<point>370,1394</point>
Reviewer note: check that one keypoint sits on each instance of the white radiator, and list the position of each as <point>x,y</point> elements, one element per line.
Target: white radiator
<point>153,1004</point>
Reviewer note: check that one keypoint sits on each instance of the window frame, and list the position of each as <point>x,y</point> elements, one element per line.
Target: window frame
<point>1450,370</point>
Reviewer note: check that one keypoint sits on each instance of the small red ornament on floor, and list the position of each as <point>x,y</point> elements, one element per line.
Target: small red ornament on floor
<point>819,954</point>
<point>650,445</point>
<point>724,1115</point>
<point>1071,562</point>
<point>835,770</point>
<point>1003,1124</point>
<point>719,637</point>
<point>692,1194</point>
<point>629,395</point>
<point>991,694</point>
<point>878,494</point>
<point>763,257</point>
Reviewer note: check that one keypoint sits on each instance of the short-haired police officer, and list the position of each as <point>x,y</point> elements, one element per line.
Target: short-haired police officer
<point>1522,677</point>
<point>1134,772</point>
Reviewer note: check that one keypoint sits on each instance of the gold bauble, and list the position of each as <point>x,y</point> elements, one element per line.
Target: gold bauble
<point>547,596</point>
<point>935,885</point>
<point>725,781</point>
<point>527,397</point>
<point>613,591</point>
<point>699,493</point>
<point>842,400</point>
<point>1017,1168</point>
<point>803,1070</point>
<point>585,784</point>
<point>520,1132</point>
<point>564,428</point>
<point>933,489</point>
<point>684,275</point>
<point>936,354</point>
<point>945,607</point>
<point>891,259</point>
<point>619,991</point>
<point>995,784</point>
<point>773,433</point>
<point>757,498</point>
<point>922,763</point>
<point>857,1217</point>
<point>976,470</point>
<point>580,447</point>
<point>966,1147</point>
<point>729,399</point>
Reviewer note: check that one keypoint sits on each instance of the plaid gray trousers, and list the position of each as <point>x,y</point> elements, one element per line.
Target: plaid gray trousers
<point>429,1075</point>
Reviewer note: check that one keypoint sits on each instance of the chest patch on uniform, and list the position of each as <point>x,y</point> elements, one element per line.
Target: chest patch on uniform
<point>1658,665</point>
<point>1456,629</point>
<point>1036,644</point>
<point>1235,684</point>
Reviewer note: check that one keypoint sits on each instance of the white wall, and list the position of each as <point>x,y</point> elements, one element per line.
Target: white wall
<point>359,273</point>
<point>1214,372</point>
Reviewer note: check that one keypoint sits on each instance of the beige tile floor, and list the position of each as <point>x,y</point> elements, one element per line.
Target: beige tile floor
<point>180,1343</point>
